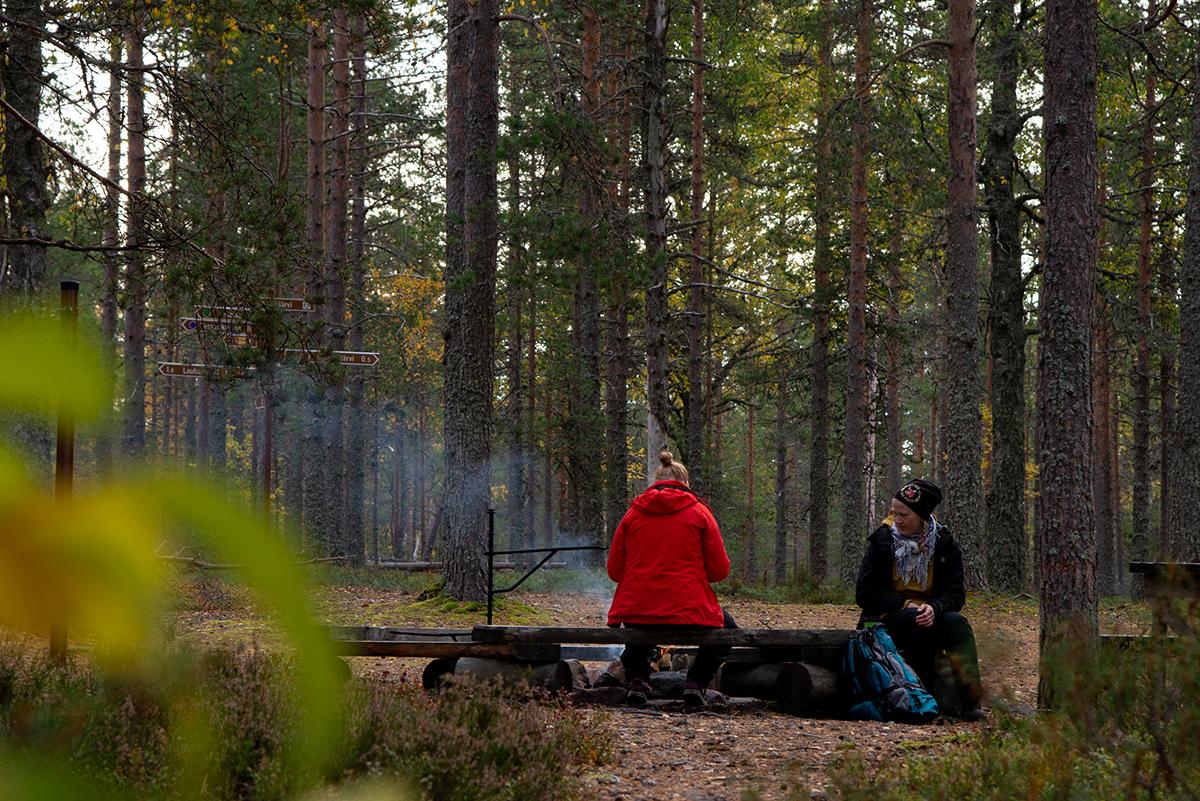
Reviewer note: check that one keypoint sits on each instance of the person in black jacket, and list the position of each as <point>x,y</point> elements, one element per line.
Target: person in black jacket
<point>911,580</point>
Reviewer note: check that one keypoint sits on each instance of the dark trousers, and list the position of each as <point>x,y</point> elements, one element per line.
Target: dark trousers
<point>920,645</point>
<point>636,658</point>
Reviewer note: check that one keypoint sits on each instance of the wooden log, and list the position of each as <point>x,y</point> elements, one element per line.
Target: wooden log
<point>436,671</point>
<point>797,687</point>
<point>549,675</point>
<point>389,633</point>
<point>534,652</point>
<point>754,638</point>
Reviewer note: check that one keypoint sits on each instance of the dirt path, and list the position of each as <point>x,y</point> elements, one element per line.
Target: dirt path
<point>753,754</point>
<point>705,756</point>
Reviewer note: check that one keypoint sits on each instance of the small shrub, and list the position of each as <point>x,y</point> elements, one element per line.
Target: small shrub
<point>474,740</point>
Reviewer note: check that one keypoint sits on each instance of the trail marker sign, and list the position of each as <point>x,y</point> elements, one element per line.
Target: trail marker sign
<point>185,370</point>
<point>350,358</point>
<point>196,324</point>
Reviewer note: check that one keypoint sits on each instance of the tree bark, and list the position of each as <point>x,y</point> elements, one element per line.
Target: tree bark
<point>654,146</point>
<point>854,523</point>
<point>1066,533</point>
<point>1006,493</point>
<point>818,471</point>
<point>334,458</point>
<point>518,496</point>
<point>111,237</point>
<point>750,543</point>
<point>471,311</point>
<point>781,486</point>
<point>617,355</point>
<point>585,425</point>
<point>136,291</point>
<point>895,453</point>
<point>25,167</point>
<point>696,307</point>
<point>1185,467</point>
<point>964,484</point>
<point>1145,324</point>
<point>1167,408</point>
<point>356,446</point>
<point>315,497</point>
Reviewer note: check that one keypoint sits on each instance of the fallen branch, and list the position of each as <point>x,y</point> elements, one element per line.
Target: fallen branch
<point>192,561</point>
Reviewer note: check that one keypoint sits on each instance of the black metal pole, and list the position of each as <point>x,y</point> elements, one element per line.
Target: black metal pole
<point>64,456</point>
<point>491,553</point>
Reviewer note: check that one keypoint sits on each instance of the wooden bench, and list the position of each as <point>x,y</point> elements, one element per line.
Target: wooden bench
<point>797,667</point>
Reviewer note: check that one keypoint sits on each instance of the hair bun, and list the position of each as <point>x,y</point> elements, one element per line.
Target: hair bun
<point>666,458</point>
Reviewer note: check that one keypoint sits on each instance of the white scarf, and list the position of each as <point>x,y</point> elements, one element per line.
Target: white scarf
<point>912,561</point>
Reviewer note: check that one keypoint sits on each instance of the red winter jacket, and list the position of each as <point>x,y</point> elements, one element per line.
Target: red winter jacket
<point>665,553</point>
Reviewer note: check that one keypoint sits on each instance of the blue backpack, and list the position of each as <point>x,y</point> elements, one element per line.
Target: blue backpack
<point>882,685</point>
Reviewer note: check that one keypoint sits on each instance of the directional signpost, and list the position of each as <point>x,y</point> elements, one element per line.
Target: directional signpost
<point>185,370</point>
<point>350,358</point>
<point>215,324</point>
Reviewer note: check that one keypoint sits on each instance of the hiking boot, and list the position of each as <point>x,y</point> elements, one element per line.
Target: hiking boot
<point>693,695</point>
<point>973,713</point>
<point>639,692</point>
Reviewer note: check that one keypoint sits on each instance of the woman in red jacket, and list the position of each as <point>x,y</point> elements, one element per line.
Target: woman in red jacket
<point>665,553</point>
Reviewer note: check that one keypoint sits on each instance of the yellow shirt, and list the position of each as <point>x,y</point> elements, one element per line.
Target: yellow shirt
<point>911,590</point>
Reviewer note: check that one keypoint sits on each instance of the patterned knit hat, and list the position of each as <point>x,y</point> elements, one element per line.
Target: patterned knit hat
<point>921,496</point>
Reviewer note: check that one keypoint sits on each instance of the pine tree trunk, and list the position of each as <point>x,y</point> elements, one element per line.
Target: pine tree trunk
<point>854,522</point>
<point>25,166</point>
<point>136,291</point>
<point>315,497</point>
<point>356,446</point>
<point>1066,533</point>
<point>518,468</point>
<point>111,238</point>
<point>654,145</point>
<point>1006,495</point>
<point>750,542</point>
<point>1167,408</point>
<point>585,422</point>
<point>781,486</point>
<point>617,355</point>
<point>895,453</point>
<point>696,307</point>
<point>1145,323</point>
<point>334,462</point>
<point>1185,467</point>
<point>1106,550</point>
<point>470,318</point>
<point>964,484</point>
<point>818,469</point>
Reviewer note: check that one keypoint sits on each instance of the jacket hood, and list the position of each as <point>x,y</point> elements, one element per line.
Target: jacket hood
<point>665,498</point>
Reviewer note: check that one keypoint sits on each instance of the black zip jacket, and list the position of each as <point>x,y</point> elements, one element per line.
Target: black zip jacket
<point>876,593</point>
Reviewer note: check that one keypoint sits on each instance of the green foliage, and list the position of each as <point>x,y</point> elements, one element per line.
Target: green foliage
<point>1125,726</point>
<point>474,741</point>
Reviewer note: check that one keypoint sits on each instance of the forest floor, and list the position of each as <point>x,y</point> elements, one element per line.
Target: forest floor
<point>675,756</point>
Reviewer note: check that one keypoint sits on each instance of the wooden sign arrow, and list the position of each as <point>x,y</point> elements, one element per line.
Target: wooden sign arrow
<point>293,304</point>
<point>184,370</point>
<point>214,324</point>
<point>350,358</point>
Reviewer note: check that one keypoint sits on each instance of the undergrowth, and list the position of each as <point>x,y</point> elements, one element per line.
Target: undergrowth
<point>1125,724</point>
<point>472,741</point>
